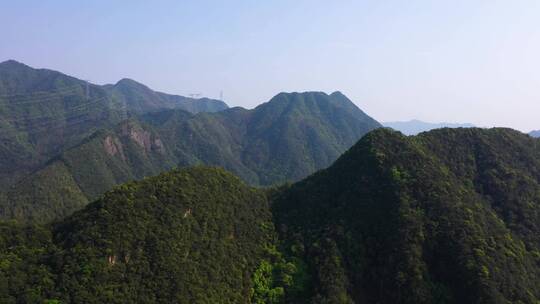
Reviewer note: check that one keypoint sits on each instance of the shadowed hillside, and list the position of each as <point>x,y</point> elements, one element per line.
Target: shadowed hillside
<point>450,216</point>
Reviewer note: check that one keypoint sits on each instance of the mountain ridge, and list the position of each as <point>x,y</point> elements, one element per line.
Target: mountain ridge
<point>284,139</point>
<point>43,112</point>
<point>434,218</point>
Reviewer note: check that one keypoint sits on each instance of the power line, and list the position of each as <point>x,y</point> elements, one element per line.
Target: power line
<point>80,110</point>
<point>74,112</point>
<point>35,99</point>
<point>37,93</point>
<point>64,125</point>
<point>71,109</point>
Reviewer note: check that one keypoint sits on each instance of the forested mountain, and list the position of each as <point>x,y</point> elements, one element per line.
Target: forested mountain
<point>44,112</point>
<point>415,126</point>
<point>449,216</point>
<point>41,113</point>
<point>285,139</point>
<point>188,236</point>
<point>535,133</point>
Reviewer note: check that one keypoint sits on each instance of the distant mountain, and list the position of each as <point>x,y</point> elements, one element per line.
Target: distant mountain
<point>285,139</point>
<point>448,216</point>
<point>140,99</point>
<point>535,133</point>
<point>44,112</point>
<point>415,126</point>
<point>41,113</point>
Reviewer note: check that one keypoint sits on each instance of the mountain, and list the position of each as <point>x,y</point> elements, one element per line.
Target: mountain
<point>449,216</point>
<point>140,99</point>
<point>187,236</point>
<point>44,112</point>
<point>41,113</point>
<point>285,139</point>
<point>415,126</point>
<point>535,133</point>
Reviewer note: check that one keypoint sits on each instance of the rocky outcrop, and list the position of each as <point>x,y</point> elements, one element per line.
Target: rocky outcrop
<point>113,146</point>
<point>143,138</point>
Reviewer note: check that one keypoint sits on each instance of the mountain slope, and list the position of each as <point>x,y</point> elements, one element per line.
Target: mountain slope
<point>79,175</point>
<point>44,112</point>
<point>296,134</point>
<point>450,216</point>
<point>187,236</point>
<point>286,139</point>
<point>41,113</point>
<point>415,126</point>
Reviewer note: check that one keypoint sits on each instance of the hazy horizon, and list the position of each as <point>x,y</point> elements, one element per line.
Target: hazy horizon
<point>456,62</point>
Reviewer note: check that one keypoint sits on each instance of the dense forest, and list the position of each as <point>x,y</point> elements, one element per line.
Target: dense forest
<point>448,216</point>
<point>188,236</point>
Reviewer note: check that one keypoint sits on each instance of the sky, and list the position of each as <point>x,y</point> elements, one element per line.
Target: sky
<point>453,61</point>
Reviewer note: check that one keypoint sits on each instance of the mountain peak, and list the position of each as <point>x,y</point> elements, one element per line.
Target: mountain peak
<point>338,94</point>
<point>291,96</point>
<point>316,102</point>
<point>130,82</point>
<point>13,64</point>
<point>286,96</point>
<point>295,99</point>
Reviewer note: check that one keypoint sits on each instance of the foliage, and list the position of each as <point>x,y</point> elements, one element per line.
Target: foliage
<point>187,236</point>
<point>449,216</point>
<point>279,278</point>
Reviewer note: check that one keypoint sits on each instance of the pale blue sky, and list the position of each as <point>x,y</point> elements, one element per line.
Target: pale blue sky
<point>459,61</point>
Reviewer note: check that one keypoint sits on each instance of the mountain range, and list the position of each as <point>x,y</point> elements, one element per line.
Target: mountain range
<point>284,139</point>
<point>120,194</point>
<point>44,112</point>
<point>413,127</point>
<point>448,216</point>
